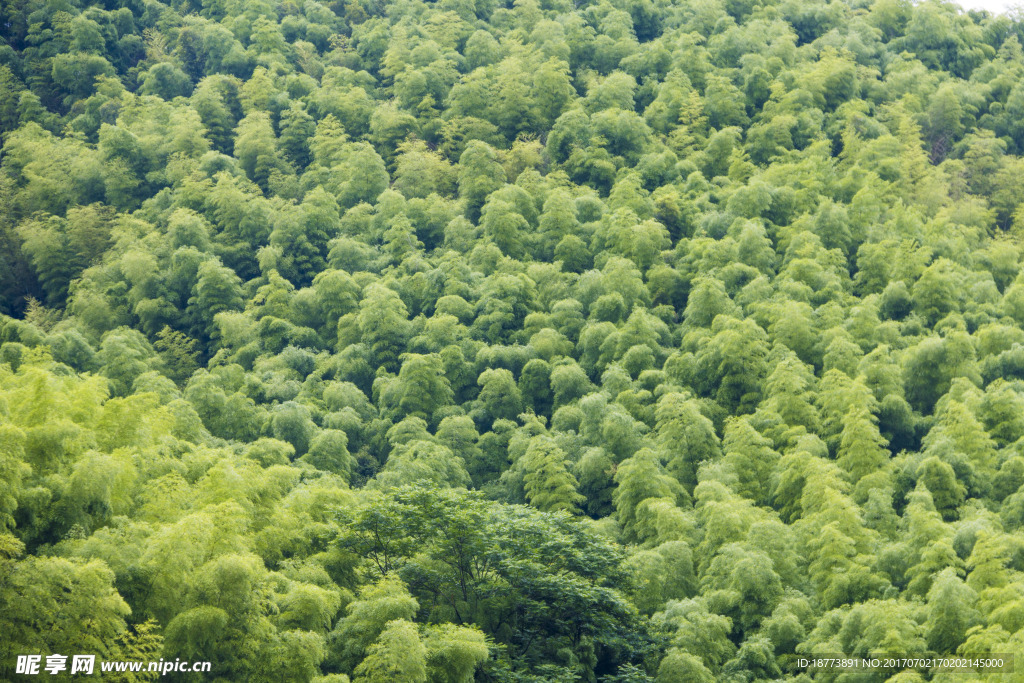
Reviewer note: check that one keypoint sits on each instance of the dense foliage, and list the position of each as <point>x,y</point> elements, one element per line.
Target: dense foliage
<point>616,340</point>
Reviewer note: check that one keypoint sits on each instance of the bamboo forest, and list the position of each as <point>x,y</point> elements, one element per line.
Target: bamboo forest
<point>511,341</point>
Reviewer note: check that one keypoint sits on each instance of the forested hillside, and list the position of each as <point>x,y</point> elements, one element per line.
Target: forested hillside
<point>599,341</point>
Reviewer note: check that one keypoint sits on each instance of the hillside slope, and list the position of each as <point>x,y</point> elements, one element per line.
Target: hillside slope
<point>616,341</point>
